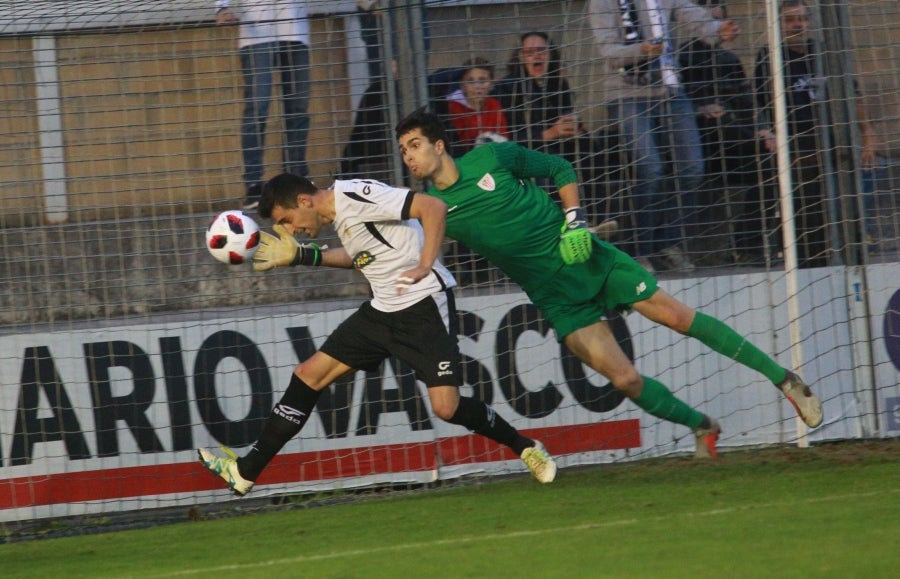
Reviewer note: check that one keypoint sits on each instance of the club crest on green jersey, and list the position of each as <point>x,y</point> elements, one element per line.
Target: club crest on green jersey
<point>487,182</point>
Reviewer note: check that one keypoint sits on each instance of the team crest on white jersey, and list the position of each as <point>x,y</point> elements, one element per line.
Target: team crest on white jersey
<point>362,259</point>
<point>487,182</point>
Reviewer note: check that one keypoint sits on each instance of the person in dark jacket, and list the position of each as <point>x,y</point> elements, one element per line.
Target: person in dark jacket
<point>540,108</point>
<point>735,157</point>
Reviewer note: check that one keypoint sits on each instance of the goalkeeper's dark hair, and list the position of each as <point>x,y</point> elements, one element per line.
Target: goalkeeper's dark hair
<point>282,190</point>
<point>429,124</point>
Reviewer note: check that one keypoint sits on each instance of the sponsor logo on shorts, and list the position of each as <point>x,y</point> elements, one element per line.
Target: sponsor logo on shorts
<point>445,369</point>
<point>641,288</point>
<point>288,413</point>
<point>363,259</point>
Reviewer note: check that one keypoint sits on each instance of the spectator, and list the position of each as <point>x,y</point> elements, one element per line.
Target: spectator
<point>536,96</point>
<point>274,36</point>
<point>881,187</point>
<point>803,91</point>
<point>722,95</point>
<point>655,119</point>
<point>367,12</point>
<point>370,147</point>
<point>476,116</point>
<point>540,108</point>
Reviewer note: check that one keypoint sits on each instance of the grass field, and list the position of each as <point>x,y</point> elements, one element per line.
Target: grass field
<point>829,511</point>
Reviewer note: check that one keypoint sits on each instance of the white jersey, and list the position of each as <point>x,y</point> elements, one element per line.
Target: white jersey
<point>270,20</point>
<point>373,224</point>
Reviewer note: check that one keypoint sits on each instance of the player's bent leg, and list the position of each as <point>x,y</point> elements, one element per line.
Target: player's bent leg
<point>715,334</point>
<point>285,421</point>
<point>482,419</point>
<point>321,370</point>
<point>664,309</point>
<point>596,346</point>
<point>444,401</point>
<point>807,404</point>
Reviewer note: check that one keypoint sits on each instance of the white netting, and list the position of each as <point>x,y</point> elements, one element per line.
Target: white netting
<point>123,345</point>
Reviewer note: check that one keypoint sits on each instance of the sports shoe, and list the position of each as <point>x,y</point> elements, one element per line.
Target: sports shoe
<point>251,201</point>
<point>227,469</point>
<point>539,462</point>
<point>807,404</point>
<point>707,439</point>
<point>606,230</point>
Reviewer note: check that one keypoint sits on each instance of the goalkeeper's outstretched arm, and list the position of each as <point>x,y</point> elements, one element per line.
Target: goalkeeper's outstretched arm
<point>569,196</point>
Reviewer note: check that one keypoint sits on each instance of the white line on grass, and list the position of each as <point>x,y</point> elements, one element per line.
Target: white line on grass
<point>510,535</point>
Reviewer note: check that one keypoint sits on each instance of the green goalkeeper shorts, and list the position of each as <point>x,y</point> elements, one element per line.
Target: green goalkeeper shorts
<point>582,294</point>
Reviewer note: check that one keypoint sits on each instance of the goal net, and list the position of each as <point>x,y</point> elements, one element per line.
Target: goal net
<point>772,204</point>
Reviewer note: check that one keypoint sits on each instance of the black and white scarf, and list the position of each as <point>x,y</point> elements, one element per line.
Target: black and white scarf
<point>665,66</point>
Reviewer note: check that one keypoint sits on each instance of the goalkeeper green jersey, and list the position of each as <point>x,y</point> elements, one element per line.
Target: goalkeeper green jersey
<point>497,210</point>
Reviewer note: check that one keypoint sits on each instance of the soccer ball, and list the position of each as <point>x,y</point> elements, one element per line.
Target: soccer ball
<point>232,237</point>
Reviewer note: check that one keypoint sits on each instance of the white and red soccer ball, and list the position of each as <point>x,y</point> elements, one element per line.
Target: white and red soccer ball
<point>232,237</point>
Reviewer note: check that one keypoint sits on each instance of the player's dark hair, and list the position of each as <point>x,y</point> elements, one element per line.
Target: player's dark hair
<point>428,123</point>
<point>282,190</point>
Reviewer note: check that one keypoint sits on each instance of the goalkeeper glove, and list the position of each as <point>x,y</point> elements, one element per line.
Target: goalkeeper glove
<point>284,250</point>
<point>575,242</point>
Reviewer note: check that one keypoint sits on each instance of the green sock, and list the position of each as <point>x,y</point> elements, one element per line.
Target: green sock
<point>721,338</point>
<point>657,400</point>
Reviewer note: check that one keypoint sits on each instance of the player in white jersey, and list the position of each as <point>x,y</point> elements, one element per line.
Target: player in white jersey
<point>393,236</point>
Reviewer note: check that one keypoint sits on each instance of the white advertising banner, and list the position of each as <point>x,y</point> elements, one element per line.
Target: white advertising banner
<point>100,420</point>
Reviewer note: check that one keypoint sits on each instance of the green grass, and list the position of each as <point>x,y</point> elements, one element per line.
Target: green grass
<point>828,511</point>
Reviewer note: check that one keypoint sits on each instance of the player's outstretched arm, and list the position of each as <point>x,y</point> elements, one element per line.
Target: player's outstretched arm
<point>285,250</point>
<point>575,243</point>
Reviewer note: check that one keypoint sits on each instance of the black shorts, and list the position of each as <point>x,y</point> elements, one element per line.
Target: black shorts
<point>423,336</point>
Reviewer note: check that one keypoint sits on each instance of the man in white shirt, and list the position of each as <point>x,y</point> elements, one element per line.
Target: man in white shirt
<point>393,236</point>
<point>636,39</point>
<point>274,36</point>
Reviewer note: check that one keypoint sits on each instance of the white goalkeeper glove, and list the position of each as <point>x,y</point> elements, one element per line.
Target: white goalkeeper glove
<point>575,241</point>
<point>284,250</point>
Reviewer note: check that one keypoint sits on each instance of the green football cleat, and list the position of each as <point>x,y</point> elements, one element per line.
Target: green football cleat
<point>539,462</point>
<point>227,469</point>
<point>807,404</point>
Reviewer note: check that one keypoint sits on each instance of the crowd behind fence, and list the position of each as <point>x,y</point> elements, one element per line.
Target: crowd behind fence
<point>112,113</point>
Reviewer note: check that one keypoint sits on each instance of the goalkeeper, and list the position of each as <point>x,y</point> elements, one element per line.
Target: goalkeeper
<point>411,314</point>
<point>574,278</point>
